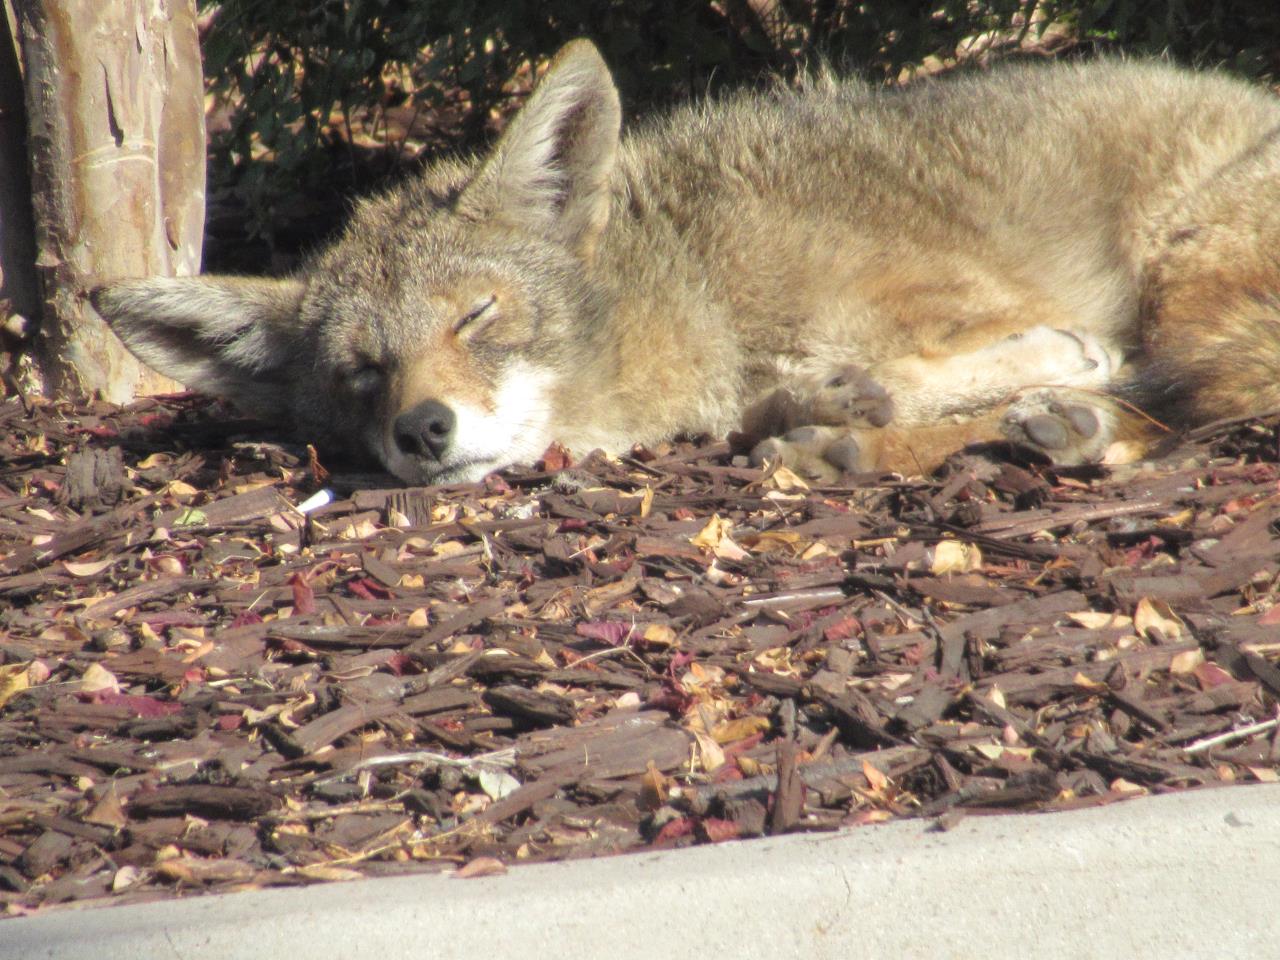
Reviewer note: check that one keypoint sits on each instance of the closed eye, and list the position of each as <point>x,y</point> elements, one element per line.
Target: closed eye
<point>366,380</point>
<point>481,310</point>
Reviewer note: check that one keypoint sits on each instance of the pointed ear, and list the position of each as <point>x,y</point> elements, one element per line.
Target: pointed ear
<point>228,336</point>
<point>551,168</point>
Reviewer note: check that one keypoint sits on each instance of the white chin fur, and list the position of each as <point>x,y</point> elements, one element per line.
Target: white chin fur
<point>514,431</point>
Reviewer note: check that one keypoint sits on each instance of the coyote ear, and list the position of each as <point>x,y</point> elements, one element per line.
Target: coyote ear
<point>229,336</point>
<point>550,170</point>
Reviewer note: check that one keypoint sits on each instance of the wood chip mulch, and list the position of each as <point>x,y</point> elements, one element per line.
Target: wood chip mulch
<point>203,689</point>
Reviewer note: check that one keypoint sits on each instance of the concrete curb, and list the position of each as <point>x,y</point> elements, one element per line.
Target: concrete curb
<point>1185,875</point>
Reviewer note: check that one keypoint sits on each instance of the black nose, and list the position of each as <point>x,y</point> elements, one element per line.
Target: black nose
<point>425,431</point>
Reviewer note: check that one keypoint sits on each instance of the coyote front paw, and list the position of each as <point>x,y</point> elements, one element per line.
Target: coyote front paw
<point>823,453</point>
<point>1068,427</point>
<point>850,396</point>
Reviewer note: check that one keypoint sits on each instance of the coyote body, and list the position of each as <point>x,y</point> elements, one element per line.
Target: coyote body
<point>859,279</point>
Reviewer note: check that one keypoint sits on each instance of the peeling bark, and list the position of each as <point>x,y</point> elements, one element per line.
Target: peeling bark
<point>116,135</point>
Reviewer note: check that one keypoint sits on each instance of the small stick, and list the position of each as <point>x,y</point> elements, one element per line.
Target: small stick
<point>1238,734</point>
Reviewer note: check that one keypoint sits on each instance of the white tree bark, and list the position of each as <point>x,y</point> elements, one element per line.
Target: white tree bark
<point>115,116</point>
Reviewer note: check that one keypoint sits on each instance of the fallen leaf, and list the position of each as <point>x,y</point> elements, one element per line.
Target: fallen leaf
<point>784,481</point>
<point>659,635</point>
<point>731,731</point>
<point>14,678</point>
<point>654,788</point>
<point>1097,620</point>
<point>875,778</point>
<point>497,783</point>
<point>180,489</point>
<point>1186,662</point>
<point>1088,683</point>
<point>191,517</point>
<point>1123,786</point>
<point>1210,675</point>
<point>1152,615</point>
<point>88,569</point>
<point>709,754</point>
<point>714,536</point>
<point>556,458</point>
<point>96,677</point>
<point>613,632</point>
<point>480,867</point>
<point>952,556</point>
<point>107,812</point>
<point>125,877</point>
<point>777,541</point>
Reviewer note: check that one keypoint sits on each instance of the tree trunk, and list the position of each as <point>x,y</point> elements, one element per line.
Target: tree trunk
<point>116,134</point>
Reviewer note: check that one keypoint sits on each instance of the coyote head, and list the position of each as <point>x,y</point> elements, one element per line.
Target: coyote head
<point>446,331</point>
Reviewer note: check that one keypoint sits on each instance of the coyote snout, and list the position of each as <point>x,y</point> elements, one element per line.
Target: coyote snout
<point>856,279</point>
<point>424,431</point>
<point>450,440</point>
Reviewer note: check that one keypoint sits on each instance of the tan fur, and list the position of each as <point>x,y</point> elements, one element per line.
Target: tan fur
<point>998,253</point>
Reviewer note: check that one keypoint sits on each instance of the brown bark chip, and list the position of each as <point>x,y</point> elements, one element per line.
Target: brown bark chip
<point>202,690</point>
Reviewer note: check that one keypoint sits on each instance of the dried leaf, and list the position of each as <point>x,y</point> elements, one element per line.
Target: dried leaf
<point>1097,620</point>
<point>497,783</point>
<point>107,812</point>
<point>876,779</point>
<point>733,730</point>
<point>1152,615</point>
<point>1088,683</point>
<point>654,788</point>
<point>659,635</point>
<point>14,678</point>
<point>96,677</point>
<point>714,536</point>
<point>709,755</point>
<point>1186,662</point>
<point>480,867</point>
<point>126,877</point>
<point>191,517</point>
<point>1121,785</point>
<point>953,556</point>
<point>785,481</point>
<point>88,569</point>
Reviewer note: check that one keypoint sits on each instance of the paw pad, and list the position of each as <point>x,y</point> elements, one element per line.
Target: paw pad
<point>1066,426</point>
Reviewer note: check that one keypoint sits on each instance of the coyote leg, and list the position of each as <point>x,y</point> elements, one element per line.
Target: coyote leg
<point>1063,425</point>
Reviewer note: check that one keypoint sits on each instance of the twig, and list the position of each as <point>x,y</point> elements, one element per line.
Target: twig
<point>1238,734</point>
<point>494,758</point>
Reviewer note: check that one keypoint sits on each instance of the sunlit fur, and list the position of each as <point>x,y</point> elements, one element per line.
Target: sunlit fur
<point>663,282</point>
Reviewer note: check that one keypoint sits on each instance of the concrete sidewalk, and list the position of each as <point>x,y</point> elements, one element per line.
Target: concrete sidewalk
<point>1186,875</point>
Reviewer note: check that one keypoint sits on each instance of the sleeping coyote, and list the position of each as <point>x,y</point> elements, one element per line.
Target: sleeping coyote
<point>856,279</point>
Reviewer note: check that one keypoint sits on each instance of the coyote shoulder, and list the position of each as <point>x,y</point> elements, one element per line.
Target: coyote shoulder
<point>855,279</point>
